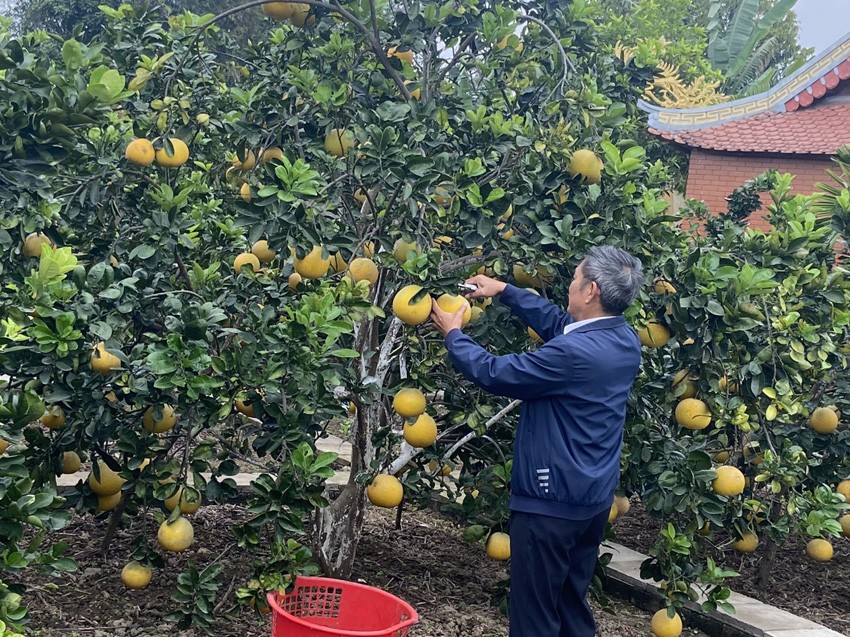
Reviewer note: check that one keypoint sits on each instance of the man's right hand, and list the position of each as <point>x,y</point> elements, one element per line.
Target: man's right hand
<point>486,287</point>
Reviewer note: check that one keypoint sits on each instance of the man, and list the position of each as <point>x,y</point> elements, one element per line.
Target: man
<point>567,448</point>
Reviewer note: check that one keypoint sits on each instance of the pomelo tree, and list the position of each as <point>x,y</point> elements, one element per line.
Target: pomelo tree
<point>209,256</point>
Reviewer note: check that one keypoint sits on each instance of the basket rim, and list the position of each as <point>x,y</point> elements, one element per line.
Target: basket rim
<point>307,580</point>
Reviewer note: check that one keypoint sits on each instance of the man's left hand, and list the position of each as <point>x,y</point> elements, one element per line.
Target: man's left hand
<point>444,321</point>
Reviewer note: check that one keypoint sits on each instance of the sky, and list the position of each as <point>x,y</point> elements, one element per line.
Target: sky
<point>822,22</point>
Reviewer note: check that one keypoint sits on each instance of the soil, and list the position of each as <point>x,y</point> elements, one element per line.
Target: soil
<point>449,582</point>
<point>817,591</point>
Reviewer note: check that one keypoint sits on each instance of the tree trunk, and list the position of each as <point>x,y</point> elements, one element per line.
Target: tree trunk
<point>336,531</point>
<point>766,565</point>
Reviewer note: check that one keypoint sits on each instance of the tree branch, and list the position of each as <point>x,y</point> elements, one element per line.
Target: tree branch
<point>408,453</point>
<point>374,42</point>
<point>386,347</point>
<point>461,49</point>
<point>564,59</point>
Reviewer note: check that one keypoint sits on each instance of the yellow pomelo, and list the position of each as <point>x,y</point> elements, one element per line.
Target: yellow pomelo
<point>165,423</point>
<point>337,263</point>
<point>524,279</point>
<point>278,10</point>
<point>71,462</point>
<point>244,408</point>
<point>442,195</point>
<point>54,418</point>
<point>33,243</point>
<point>178,158</point>
<point>723,384</point>
<point>664,287</point>
<point>369,249</point>
<point>422,433</point>
<point>844,520</point>
<point>272,153</point>
<point>338,141</point>
<point>246,258</point>
<point>245,192</point>
<point>746,544</point>
<point>452,303</point>
<point>186,507</point>
<point>248,163</point>
<point>293,281</point>
<point>844,489</point>
<point>301,15</point>
<point>108,502</point>
<point>414,90</point>
<point>4,444</point>
<point>109,483</point>
<point>586,164</point>
<point>623,504</point>
<point>262,251</point>
<point>824,420</point>
<point>729,481</point>
<point>690,387</point>
<point>654,335</point>
<point>177,536</point>
<point>435,468</point>
<point>135,575</point>
<point>499,546</point>
<point>363,269</point>
<point>721,457</point>
<point>407,56</point>
<point>692,413</point>
<point>140,152</point>
<point>409,402</point>
<point>504,42</point>
<point>819,550</point>
<point>613,512</point>
<point>385,491</point>
<point>534,335</point>
<point>411,314</point>
<point>403,250</point>
<point>665,626</point>
<point>312,266</point>
<point>102,361</point>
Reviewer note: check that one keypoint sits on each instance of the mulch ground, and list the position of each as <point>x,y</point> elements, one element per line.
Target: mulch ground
<point>818,591</point>
<point>426,563</point>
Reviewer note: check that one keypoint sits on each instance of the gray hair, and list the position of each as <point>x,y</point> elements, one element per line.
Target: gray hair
<point>617,273</point>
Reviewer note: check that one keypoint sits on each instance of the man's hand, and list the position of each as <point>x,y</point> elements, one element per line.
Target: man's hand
<point>444,321</point>
<point>486,287</point>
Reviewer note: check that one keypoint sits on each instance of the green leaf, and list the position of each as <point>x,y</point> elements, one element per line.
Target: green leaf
<point>55,264</point>
<point>105,84</point>
<point>72,55</point>
<point>345,353</point>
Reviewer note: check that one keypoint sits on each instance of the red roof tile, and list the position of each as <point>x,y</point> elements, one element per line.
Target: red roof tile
<point>819,130</point>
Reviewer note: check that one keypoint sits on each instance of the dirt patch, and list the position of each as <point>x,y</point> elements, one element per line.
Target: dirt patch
<point>449,582</point>
<point>799,585</point>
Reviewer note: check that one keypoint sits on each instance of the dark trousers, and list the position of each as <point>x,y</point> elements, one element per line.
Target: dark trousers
<point>552,565</point>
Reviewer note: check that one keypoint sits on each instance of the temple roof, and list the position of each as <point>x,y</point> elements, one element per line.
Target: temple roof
<point>806,113</point>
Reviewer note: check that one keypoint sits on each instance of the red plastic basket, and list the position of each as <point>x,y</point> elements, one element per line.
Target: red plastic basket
<point>324,607</point>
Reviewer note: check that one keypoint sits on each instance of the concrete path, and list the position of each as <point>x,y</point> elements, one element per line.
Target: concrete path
<point>751,617</point>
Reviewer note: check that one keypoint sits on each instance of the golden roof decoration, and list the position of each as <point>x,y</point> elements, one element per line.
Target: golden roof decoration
<point>669,90</point>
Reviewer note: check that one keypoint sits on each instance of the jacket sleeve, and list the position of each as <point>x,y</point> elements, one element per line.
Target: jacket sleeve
<point>526,376</point>
<point>543,317</point>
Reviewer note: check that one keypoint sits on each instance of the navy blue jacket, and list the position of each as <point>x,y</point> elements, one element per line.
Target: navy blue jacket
<point>575,387</point>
